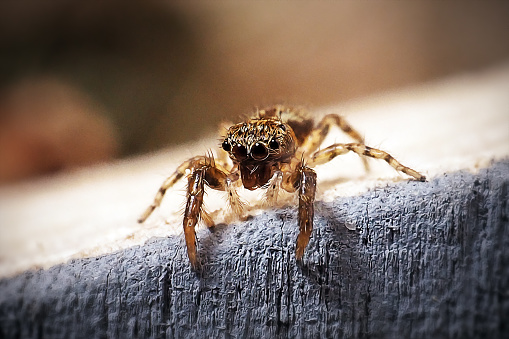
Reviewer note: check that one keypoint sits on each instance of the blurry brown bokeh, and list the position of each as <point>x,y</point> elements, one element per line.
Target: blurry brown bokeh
<point>47,126</point>
<point>164,72</point>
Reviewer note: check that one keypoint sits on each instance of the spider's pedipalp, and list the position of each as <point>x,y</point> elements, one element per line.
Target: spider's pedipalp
<point>272,191</point>
<point>235,203</point>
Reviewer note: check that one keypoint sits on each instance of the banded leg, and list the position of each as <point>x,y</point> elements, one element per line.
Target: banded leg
<point>306,209</point>
<point>329,153</point>
<point>315,139</point>
<point>170,181</point>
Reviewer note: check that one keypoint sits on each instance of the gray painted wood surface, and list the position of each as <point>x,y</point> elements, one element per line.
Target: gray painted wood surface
<point>426,260</point>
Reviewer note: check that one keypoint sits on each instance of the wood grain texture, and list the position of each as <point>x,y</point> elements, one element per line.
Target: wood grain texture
<point>425,260</point>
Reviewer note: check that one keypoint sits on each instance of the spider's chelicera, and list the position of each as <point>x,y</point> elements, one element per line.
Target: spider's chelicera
<point>276,149</point>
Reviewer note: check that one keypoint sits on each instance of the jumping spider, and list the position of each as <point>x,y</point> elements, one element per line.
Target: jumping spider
<point>277,148</point>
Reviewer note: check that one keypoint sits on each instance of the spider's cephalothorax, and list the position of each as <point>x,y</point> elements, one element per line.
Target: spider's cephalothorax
<point>258,147</point>
<point>276,149</point>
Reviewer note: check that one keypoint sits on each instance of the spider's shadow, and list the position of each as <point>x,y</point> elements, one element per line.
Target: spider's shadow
<point>333,251</point>
<point>208,243</point>
<point>323,185</point>
<point>330,236</point>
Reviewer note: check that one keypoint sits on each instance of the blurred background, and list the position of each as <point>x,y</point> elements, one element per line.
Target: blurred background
<point>88,82</point>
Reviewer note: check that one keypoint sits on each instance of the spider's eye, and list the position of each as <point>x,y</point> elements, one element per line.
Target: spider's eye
<point>240,152</point>
<point>226,146</point>
<point>259,151</point>
<point>273,144</point>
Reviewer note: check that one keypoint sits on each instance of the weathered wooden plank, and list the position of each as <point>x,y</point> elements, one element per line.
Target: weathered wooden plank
<point>426,260</point>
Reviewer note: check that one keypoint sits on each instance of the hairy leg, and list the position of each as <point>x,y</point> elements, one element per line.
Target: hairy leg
<point>203,172</point>
<point>206,175</point>
<point>303,179</point>
<point>273,111</point>
<point>169,182</point>
<point>329,153</point>
<point>193,211</point>
<point>306,209</point>
<point>316,137</point>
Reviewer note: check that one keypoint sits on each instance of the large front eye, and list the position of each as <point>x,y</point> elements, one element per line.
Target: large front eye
<point>259,151</point>
<point>240,152</point>
<point>226,146</point>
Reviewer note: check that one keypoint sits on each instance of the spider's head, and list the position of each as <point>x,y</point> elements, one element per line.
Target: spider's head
<point>258,144</point>
<point>260,141</point>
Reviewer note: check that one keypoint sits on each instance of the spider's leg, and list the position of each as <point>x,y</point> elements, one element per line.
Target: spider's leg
<point>214,177</point>
<point>329,153</point>
<point>317,135</point>
<point>195,191</point>
<point>302,178</point>
<point>306,211</point>
<point>169,182</point>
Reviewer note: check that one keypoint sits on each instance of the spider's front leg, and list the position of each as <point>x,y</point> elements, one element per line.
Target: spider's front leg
<point>214,178</point>
<point>203,172</point>
<point>303,179</point>
<point>193,211</point>
<point>306,210</point>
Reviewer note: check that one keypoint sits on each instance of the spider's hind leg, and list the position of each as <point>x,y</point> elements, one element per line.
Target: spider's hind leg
<point>318,134</point>
<point>329,153</point>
